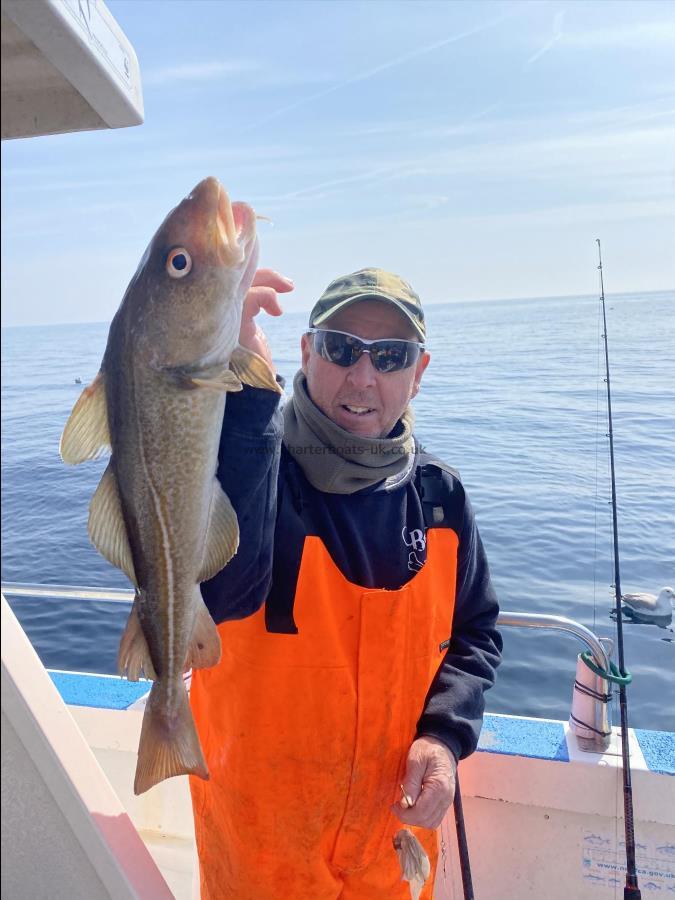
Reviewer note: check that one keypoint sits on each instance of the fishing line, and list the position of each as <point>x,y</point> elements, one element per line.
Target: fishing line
<point>631,890</point>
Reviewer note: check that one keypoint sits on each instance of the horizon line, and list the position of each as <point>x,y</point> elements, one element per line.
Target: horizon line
<point>427,304</point>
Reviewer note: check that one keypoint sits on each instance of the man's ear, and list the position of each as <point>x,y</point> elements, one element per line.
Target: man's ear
<point>306,349</point>
<point>420,368</point>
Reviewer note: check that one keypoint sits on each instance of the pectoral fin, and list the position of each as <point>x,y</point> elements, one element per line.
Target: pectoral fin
<point>222,536</point>
<point>86,434</point>
<point>107,530</point>
<point>222,380</point>
<point>133,657</point>
<point>253,370</point>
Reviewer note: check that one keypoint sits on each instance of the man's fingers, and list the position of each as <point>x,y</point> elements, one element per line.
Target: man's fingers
<point>262,297</point>
<point>429,810</point>
<point>272,279</point>
<point>412,783</point>
<point>412,817</point>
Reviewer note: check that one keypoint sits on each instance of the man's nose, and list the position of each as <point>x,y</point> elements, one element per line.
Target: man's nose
<point>362,373</point>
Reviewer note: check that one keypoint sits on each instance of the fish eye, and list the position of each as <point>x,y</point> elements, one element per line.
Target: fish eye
<point>178,262</point>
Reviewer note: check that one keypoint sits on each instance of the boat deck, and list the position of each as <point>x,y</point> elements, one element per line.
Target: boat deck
<point>548,811</point>
<point>543,816</point>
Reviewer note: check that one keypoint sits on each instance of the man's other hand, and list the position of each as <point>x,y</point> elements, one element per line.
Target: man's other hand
<point>262,295</point>
<point>429,783</point>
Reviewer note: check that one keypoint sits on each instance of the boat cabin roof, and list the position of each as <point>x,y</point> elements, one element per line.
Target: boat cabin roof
<point>66,66</point>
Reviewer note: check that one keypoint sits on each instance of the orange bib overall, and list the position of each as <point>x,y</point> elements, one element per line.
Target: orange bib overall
<point>306,735</point>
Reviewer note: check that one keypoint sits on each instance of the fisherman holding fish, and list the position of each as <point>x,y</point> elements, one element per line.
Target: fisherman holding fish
<point>344,632</point>
<point>339,709</point>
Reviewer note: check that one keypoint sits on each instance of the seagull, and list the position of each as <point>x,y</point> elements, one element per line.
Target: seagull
<point>647,607</point>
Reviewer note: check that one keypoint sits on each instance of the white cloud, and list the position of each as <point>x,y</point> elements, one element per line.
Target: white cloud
<point>648,35</point>
<point>242,74</point>
<point>576,214</point>
<point>215,70</point>
<point>610,154</point>
<point>557,35</point>
<point>415,53</point>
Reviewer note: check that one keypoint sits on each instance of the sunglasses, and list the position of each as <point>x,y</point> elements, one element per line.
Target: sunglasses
<point>386,355</point>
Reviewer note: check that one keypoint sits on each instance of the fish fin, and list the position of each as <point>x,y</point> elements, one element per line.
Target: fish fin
<point>133,657</point>
<point>222,380</point>
<point>204,648</point>
<point>107,530</point>
<point>86,434</point>
<point>169,745</point>
<point>223,535</point>
<point>252,369</point>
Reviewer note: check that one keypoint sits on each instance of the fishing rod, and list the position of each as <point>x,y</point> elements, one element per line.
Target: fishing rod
<point>631,890</point>
<point>462,844</point>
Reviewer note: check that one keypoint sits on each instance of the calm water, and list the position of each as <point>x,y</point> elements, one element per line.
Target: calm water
<point>513,399</point>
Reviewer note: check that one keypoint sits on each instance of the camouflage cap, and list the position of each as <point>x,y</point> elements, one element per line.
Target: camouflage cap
<point>370,284</point>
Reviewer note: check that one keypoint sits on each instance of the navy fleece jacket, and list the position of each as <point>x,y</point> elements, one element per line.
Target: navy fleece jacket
<point>376,538</point>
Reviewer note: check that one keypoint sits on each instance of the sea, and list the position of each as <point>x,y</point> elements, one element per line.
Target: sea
<point>514,398</point>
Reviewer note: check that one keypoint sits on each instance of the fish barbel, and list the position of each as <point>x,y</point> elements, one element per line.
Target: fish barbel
<point>159,512</point>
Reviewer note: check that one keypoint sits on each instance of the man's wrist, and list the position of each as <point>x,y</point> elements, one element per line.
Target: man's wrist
<point>452,751</point>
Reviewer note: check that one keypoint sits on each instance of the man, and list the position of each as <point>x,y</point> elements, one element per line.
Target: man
<point>357,619</point>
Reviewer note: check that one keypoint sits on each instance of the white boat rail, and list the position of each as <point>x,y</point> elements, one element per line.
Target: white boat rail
<point>590,714</point>
<point>510,619</point>
<point>67,592</point>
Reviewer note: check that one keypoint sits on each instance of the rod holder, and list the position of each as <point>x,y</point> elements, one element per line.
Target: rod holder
<point>590,718</point>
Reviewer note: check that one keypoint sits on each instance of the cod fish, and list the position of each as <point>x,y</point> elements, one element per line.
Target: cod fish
<point>414,862</point>
<point>159,512</point>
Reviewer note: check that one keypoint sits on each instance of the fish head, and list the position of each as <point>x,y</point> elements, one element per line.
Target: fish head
<point>185,301</point>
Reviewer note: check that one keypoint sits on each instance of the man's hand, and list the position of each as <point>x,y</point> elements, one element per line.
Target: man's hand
<point>262,295</point>
<point>429,783</point>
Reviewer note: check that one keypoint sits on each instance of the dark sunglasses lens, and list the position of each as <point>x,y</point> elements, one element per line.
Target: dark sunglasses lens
<point>337,348</point>
<point>391,356</point>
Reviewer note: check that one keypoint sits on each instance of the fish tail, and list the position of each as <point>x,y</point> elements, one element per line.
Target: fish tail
<point>169,743</point>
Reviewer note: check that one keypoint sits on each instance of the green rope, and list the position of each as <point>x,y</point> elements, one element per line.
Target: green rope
<point>614,675</point>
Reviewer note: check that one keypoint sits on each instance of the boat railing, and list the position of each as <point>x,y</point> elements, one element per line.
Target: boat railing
<point>67,592</point>
<point>590,691</point>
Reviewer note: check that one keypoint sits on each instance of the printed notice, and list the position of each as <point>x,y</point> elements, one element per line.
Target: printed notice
<point>604,864</point>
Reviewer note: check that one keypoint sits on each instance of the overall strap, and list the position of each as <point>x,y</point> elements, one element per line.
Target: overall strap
<point>442,496</point>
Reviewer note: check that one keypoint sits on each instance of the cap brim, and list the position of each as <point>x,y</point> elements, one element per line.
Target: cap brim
<point>370,295</point>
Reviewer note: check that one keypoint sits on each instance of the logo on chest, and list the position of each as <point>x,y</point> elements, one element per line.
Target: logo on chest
<point>417,541</point>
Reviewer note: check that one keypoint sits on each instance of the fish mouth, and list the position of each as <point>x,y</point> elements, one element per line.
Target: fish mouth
<point>223,231</point>
<point>235,229</point>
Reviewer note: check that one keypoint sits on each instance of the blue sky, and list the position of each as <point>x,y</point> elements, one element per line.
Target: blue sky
<point>476,148</point>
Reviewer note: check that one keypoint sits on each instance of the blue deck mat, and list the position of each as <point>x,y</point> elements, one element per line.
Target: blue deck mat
<point>512,736</point>
<point>658,749</point>
<point>98,691</point>
<point>524,737</point>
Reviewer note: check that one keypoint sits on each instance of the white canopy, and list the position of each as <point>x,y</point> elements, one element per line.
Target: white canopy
<point>66,66</point>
